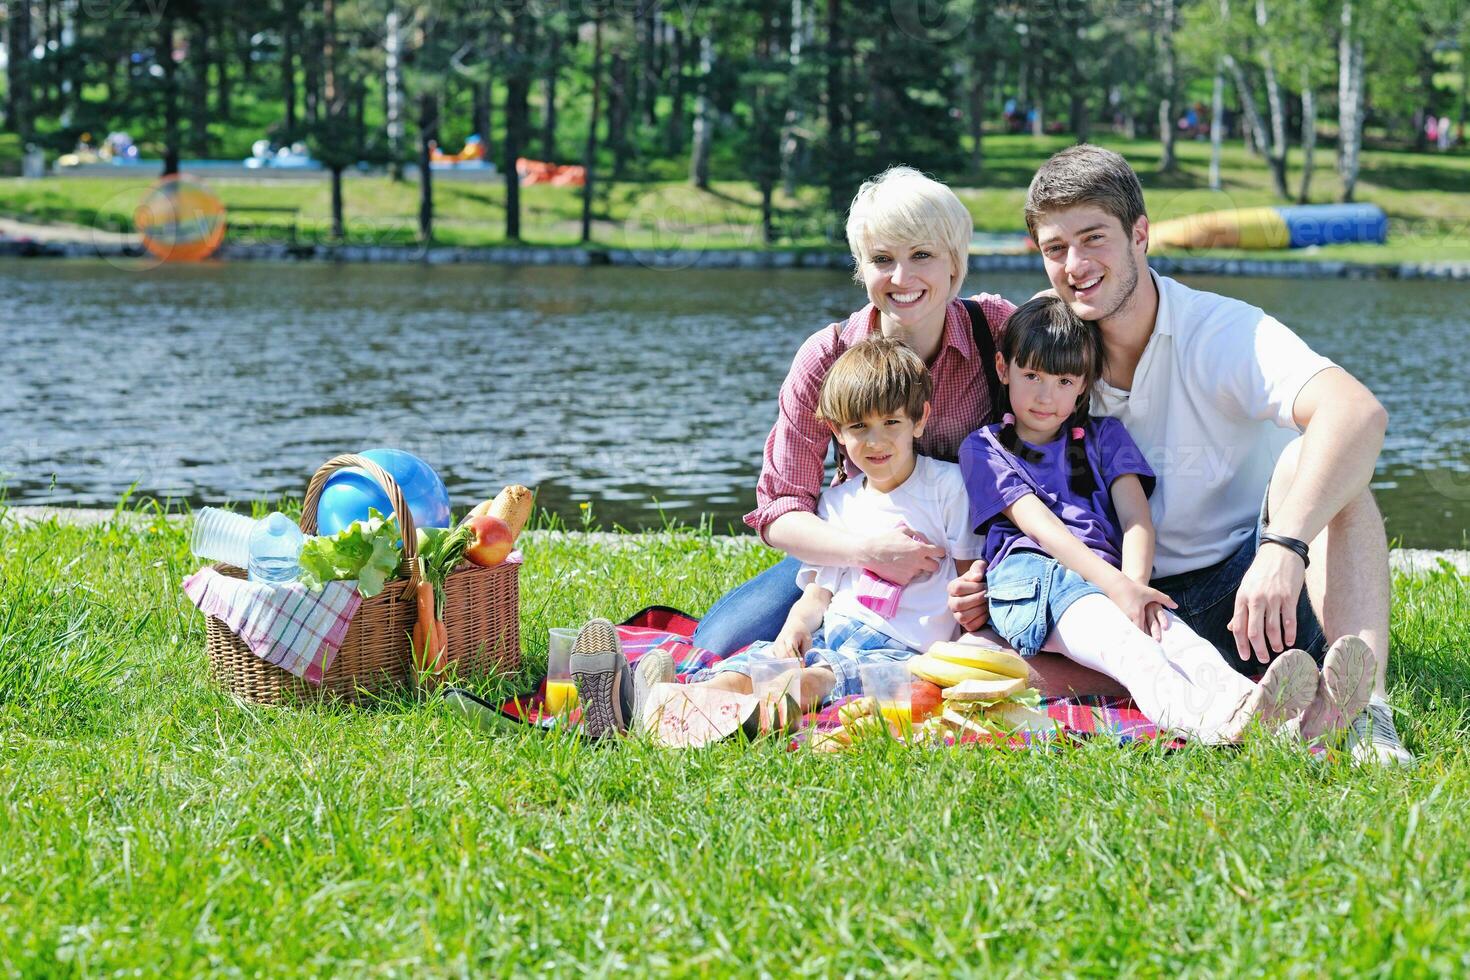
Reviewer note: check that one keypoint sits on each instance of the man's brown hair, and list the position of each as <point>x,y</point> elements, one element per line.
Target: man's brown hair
<point>876,377</point>
<point>1085,174</point>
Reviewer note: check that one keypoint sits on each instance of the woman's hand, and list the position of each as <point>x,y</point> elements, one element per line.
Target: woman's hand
<point>792,641</point>
<point>901,556</point>
<point>1140,603</point>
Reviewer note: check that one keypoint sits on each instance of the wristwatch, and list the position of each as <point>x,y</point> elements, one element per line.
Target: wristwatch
<point>1291,544</point>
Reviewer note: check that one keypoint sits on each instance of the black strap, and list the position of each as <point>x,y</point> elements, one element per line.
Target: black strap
<point>985,350</point>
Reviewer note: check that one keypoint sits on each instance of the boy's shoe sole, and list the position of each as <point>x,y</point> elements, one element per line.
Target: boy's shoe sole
<point>1347,683</point>
<point>654,667</point>
<point>1287,688</point>
<point>600,672</point>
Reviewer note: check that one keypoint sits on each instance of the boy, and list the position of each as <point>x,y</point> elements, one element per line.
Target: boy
<point>875,400</point>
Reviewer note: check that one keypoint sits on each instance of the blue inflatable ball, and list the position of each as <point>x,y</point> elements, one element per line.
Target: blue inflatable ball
<point>349,493</point>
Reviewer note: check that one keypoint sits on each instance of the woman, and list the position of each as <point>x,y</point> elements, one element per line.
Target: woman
<point>910,239</point>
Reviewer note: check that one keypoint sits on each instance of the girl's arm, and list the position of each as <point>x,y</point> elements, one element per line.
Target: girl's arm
<point>1131,503</point>
<point>802,621</point>
<point>1138,527</point>
<point>1037,521</point>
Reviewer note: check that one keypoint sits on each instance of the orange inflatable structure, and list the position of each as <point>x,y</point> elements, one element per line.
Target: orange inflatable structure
<point>557,175</point>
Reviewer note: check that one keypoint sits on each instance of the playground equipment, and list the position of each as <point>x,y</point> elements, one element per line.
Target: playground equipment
<point>1275,227</point>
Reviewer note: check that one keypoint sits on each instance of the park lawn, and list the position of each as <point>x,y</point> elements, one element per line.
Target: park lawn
<point>1426,195</point>
<point>150,822</point>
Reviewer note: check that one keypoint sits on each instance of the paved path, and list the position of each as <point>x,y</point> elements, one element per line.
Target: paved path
<point>1408,560</point>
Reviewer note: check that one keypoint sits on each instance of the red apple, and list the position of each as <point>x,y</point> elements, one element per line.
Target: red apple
<point>925,698</point>
<point>492,543</point>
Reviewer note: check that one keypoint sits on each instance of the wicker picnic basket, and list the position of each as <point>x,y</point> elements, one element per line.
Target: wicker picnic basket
<point>481,616</point>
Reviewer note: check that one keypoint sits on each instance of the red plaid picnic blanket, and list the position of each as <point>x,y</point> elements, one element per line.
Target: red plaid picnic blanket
<point>663,627</point>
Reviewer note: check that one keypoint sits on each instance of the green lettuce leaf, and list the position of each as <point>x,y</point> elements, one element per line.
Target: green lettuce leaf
<point>367,551</point>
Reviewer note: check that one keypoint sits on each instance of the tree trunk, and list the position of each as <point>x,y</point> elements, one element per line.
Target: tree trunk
<point>837,163</point>
<point>790,138</point>
<point>393,92</point>
<point>288,71</point>
<point>1309,137</point>
<point>428,133</point>
<point>18,73</point>
<point>339,230</point>
<point>170,94</point>
<point>976,106</point>
<point>336,104</point>
<point>703,119</point>
<point>311,76</point>
<point>618,111</point>
<point>1349,102</point>
<point>589,157</point>
<point>1217,124</point>
<point>517,93</point>
<point>674,124</point>
<point>1276,158</point>
<point>1081,119</point>
<point>199,58</point>
<point>1169,84</point>
<point>1247,101</point>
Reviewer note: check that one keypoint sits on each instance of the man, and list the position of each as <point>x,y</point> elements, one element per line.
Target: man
<point>1268,537</point>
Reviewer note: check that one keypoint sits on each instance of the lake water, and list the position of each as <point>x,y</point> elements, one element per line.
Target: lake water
<point>647,393</point>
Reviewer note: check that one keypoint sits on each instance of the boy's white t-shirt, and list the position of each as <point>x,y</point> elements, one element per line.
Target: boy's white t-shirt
<point>931,501</point>
<point>1212,409</point>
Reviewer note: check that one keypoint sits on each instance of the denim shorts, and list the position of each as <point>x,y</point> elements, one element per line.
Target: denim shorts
<point>1206,600</point>
<point>1028,593</point>
<point>841,645</point>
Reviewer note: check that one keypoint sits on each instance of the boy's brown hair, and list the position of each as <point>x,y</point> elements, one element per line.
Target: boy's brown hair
<point>878,376</point>
<point>1085,174</point>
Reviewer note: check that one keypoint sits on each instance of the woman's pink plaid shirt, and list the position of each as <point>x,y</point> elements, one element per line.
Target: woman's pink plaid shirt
<point>796,450</point>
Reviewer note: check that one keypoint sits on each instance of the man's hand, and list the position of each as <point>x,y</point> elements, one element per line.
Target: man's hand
<point>901,556</point>
<point>1139,602</point>
<point>792,642</point>
<point>968,601</point>
<point>1265,604</point>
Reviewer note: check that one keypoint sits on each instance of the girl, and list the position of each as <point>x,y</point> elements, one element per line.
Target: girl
<point>1062,500</point>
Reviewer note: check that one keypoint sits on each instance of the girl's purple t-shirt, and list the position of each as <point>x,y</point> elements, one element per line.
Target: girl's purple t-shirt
<point>995,478</point>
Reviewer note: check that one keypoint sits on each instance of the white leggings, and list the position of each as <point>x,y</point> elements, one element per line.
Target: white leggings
<point>1181,684</point>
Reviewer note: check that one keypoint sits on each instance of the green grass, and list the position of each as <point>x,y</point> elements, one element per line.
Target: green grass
<point>151,823</point>
<point>1424,195</point>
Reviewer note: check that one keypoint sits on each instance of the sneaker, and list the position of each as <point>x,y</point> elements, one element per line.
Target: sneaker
<point>1285,691</point>
<point>1372,738</point>
<point>600,672</point>
<point>1347,680</point>
<point>654,667</point>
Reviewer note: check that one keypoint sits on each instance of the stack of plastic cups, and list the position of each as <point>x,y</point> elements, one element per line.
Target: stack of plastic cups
<point>222,536</point>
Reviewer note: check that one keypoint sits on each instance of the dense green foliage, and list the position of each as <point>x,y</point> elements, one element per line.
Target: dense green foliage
<point>152,823</point>
<point>786,91</point>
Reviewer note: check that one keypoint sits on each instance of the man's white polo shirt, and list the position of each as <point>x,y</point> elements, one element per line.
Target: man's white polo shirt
<point>1211,408</point>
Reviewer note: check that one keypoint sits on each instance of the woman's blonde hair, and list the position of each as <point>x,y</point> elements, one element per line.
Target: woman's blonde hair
<point>878,376</point>
<point>903,206</point>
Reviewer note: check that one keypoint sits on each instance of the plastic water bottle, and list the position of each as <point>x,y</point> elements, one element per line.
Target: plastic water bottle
<point>275,550</point>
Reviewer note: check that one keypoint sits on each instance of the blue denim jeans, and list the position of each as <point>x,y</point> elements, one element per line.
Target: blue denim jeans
<point>754,610</point>
<point>1206,600</point>
<point>841,645</point>
<point>1028,592</point>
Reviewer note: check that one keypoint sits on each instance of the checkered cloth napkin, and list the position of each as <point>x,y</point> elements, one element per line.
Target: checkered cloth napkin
<point>286,625</point>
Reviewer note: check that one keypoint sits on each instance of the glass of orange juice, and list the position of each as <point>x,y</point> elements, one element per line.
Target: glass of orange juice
<point>888,683</point>
<point>561,691</point>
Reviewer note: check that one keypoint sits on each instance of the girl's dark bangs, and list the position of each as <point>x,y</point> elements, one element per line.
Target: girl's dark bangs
<point>1052,351</point>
